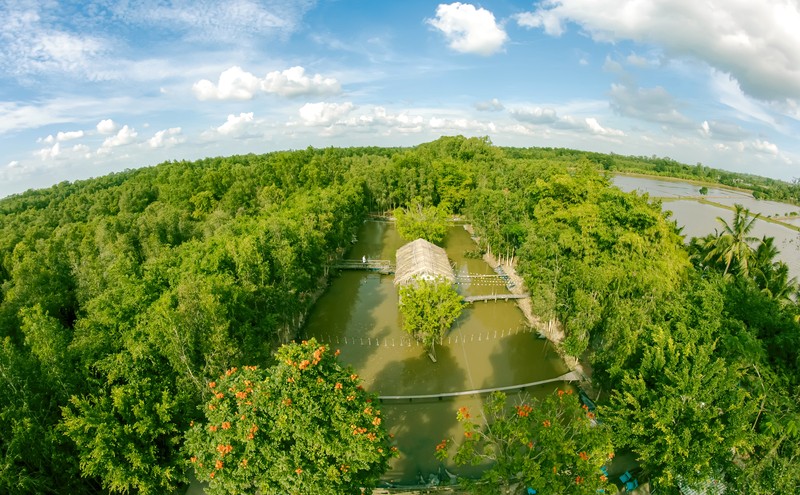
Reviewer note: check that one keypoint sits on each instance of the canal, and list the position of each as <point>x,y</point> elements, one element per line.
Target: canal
<point>490,345</point>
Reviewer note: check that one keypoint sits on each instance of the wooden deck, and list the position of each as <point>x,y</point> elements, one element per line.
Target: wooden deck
<point>495,297</point>
<point>382,266</point>
<point>566,377</point>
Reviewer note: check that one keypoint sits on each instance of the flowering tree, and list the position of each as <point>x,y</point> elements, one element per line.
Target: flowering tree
<point>553,446</point>
<point>303,426</point>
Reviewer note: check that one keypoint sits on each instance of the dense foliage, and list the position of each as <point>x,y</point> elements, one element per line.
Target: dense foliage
<point>122,297</point>
<point>429,308</point>
<point>305,425</point>
<point>553,445</point>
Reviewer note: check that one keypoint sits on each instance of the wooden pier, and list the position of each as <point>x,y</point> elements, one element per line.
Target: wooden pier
<point>566,377</point>
<point>495,297</point>
<point>384,267</point>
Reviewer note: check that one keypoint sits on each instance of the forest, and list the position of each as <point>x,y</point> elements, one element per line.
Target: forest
<point>122,298</point>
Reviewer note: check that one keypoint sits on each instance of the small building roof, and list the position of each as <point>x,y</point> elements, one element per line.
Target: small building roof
<point>422,259</point>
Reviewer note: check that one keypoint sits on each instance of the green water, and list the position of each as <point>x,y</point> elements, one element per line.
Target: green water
<point>489,346</point>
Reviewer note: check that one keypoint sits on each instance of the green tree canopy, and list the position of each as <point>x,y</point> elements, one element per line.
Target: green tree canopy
<point>302,426</point>
<point>426,222</point>
<point>429,308</point>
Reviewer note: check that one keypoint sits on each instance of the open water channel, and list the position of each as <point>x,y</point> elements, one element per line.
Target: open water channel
<point>490,345</point>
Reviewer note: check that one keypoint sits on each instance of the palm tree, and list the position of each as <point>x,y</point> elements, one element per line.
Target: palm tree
<point>732,245</point>
<point>770,276</point>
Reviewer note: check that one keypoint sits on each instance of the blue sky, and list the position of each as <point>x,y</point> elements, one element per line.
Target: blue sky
<point>88,88</point>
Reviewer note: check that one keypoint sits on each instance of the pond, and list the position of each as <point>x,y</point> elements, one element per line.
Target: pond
<point>700,219</point>
<point>490,345</point>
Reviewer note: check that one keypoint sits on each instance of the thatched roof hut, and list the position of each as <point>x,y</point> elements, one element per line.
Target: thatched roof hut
<point>424,260</point>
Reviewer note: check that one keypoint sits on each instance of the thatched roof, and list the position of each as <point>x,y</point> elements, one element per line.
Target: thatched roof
<point>422,259</point>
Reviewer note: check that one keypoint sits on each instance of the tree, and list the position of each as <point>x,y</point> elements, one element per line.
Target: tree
<point>429,308</point>
<point>704,190</point>
<point>429,223</point>
<point>732,245</point>
<point>553,445</point>
<point>305,425</point>
<point>681,407</point>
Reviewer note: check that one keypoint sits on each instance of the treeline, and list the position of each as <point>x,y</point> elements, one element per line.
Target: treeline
<point>122,296</point>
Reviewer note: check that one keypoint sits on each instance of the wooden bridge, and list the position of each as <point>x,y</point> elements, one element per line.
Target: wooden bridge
<point>382,266</point>
<point>566,377</point>
<point>495,297</point>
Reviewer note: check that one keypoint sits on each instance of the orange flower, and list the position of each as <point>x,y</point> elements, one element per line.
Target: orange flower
<point>468,434</point>
<point>287,402</point>
<point>338,386</point>
<point>244,462</point>
<point>376,421</point>
<point>212,407</point>
<point>218,464</point>
<point>351,397</point>
<point>442,445</point>
<point>298,470</point>
<point>212,384</point>
<point>213,427</point>
<point>583,456</point>
<point>560,392</point>
<point>463,412</point>
<point>603,478</point>
<point>611,455</point>
<point>530,445</point>
<point>226,425</point>
<point>241,395</point>
<point>394,449</point>
<point>546,423</point>
<point>337,352</point>
<point>193,459</point>
<point>354,377</point>
<point>304,364</point>
<point>578,480</point>
<point>220,395</point>
<point>211,475</point>
<point>367,410</point>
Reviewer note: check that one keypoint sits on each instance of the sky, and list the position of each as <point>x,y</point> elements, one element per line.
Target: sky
<point>88,88</point>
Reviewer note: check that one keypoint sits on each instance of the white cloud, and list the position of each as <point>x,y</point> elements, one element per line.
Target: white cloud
<point>594,126</point>
<point>31,46</point>
<point>238,84</point>
<point>492,105</point>
<point>107,126</point>
<point>546,19</point>
<point>50,152</point>
<point>207,21</point>
<point>536,115</point>
<point>166,137</point>
<point>237,126</point>
<point>234,84</point>
<point>764,147</point>
<point>126,135</point>
<point>324,113</point>
<point>469,30</point>
<point>754,42</point>
<point>294,82</point>
<point>725,131</point>
<point>649,104</point>
<point>68,136</point>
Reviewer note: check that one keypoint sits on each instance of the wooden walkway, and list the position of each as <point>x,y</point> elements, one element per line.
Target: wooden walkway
<point>566,377</point>
<point>383,266</point>
<point>495,297</point>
